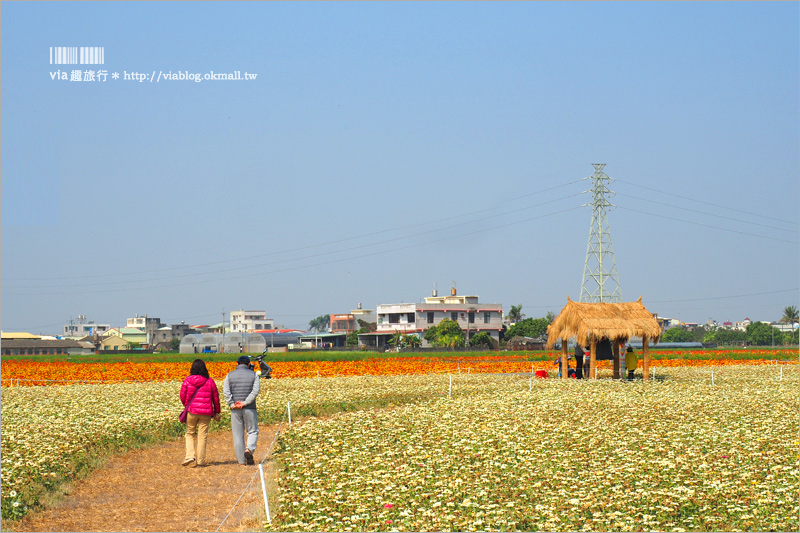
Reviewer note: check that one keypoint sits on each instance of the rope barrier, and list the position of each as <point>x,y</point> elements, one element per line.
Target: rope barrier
<point>260,463</point>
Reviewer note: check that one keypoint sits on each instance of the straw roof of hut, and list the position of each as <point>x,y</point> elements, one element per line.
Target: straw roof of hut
<point>618,321</point>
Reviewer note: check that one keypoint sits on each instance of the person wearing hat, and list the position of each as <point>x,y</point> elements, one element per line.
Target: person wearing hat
<point>630,362</point>
<point>241,388</point>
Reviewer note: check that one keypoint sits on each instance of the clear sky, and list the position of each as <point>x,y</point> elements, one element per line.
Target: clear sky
<point>386,147</point>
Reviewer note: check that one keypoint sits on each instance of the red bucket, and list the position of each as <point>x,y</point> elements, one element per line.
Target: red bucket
<point>541,373</point>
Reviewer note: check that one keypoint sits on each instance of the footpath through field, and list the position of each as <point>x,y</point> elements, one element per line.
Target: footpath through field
<point>148,490</point>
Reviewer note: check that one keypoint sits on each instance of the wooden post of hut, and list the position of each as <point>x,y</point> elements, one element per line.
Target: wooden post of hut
<point>564,356</point>
<point>645,359</point>
<point>616,358</point>
<point>593,359</point>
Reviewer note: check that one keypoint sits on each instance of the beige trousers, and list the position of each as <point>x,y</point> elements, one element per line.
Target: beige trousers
<point>196,437</point>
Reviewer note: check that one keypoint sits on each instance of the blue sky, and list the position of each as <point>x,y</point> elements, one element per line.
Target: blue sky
<point>386,147</point>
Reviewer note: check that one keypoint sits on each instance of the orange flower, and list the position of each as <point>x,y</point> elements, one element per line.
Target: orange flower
<point>42,373</point>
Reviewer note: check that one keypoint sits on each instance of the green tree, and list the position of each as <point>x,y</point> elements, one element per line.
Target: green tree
<point>677,335</point>
<point>482,339</point>
<point>352,339</point>
<point>175,344</point>
<point>515,313</point>
<point>727,337</point>
<point>529,327</point>
<point>550,316</point>
<point>320,323</point>
<point>412,340</point>
<point>763,334</point>
<point>447,334</point>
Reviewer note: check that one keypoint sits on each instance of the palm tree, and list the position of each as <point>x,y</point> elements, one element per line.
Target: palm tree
<point>320,323</point>
<point>790,316</point>
<point>515,314</point>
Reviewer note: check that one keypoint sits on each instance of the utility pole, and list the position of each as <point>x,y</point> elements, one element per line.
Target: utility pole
<point>600,280</point>
<point>222,348</point>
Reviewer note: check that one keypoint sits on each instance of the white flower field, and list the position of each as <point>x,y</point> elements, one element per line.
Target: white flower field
<point>495,452</point>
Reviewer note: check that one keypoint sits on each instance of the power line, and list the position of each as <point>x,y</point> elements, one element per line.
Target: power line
<point>314,256</point>
<point>708,225</point>
<point>328,243</point>
<point>794,232</point>
<point>706,203</point>
<point>526,306</point>
<point>721,297</point>
<point>303,266</point>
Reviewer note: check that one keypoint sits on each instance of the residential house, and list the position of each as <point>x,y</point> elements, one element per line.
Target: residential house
<point>249,321</point>
<point>343,323</point>
<point>83,328</point>
<point>113,343</point>
<point>163,336</point>
<point>365,315</point>
<point>667,323</point>
<point>147,324</point>
<point>130,335</point>
<point>472,316</point>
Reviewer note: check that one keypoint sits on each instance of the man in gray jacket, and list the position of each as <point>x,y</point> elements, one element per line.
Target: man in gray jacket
<point>241,389</point>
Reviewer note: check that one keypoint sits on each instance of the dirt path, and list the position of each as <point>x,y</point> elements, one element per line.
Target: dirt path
<point>149,490</point>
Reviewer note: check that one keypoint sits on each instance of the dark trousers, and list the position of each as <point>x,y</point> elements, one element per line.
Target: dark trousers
<point>578,366</point>
<point>630,374</point>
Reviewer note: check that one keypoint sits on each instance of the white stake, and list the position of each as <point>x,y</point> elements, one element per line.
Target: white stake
<point>712,377</point>
<point>450,390</point>
<point>264,490</point>
<point>289,409</point>
<point>459,368</point>
<point>530,384</point>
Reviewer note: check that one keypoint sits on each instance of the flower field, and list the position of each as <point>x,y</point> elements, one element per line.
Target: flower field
<point>51,434</point>
<point>31,372</point>
<point>483,451</point>
<point>678,454</point>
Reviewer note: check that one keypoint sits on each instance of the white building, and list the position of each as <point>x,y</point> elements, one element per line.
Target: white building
<point>363,314</point>
<point>473,318</point>
<point>249,321</point>
<point>82,328</point>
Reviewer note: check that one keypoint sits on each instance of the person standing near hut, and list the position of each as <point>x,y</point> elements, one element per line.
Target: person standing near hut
<point>587,363</point>
<point>578,361</point>
<point>631,361</point>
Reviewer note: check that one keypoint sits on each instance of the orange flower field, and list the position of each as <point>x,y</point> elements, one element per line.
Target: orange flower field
<point>61,373</point>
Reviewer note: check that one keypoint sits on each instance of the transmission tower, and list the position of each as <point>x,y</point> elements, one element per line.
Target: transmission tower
<point>600,280</point>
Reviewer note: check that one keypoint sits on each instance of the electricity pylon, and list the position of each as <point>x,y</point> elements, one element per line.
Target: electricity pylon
<point>600,279</point>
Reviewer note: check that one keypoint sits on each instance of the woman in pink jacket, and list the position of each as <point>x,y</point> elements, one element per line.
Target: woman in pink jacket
<point>200,395</point>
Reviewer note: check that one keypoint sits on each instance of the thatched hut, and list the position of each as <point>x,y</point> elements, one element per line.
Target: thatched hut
<point>588,323</point>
